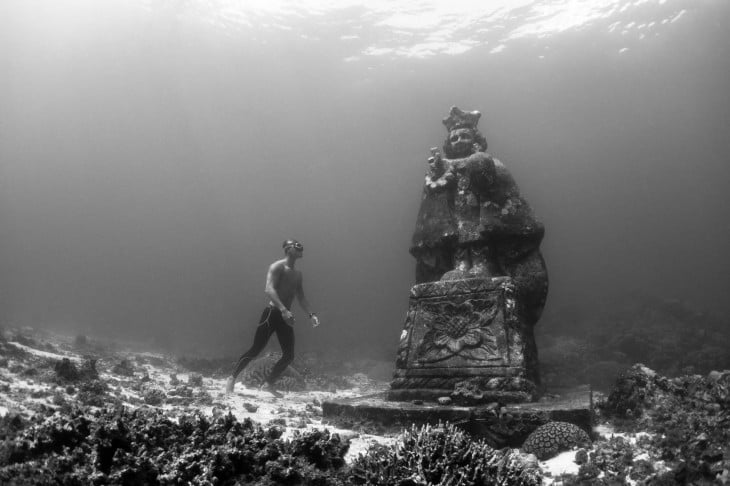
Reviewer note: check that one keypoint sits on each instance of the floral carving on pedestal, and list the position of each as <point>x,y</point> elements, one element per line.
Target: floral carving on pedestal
<point>459,330</point>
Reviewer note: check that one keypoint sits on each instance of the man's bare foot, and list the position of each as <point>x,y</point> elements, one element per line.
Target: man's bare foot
<point>269,387</point>
<point>229,385</point>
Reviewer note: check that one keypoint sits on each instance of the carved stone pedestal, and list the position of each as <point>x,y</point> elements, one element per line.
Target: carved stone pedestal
<point>465,339</point>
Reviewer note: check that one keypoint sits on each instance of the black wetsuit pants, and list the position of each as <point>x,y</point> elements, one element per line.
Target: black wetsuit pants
<point>271,322</point>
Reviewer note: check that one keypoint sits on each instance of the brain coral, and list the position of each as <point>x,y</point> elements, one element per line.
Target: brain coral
<point>549,439</point>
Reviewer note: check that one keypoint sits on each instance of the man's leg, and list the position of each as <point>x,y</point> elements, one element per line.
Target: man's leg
<point>285,335</point>
<point>263,333</point>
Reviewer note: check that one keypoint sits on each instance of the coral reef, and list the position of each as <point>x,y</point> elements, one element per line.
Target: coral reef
<point>67,372</point>
<point>553,437</point>
<point>117,446</point>
<point>62,423</point>
<point>593,342</point>
<point>124,368</point>
<point>442,455</point>
<point>94,393</point>
<point>154,396</point>
<point>685,425</point>
<point>194,379</point>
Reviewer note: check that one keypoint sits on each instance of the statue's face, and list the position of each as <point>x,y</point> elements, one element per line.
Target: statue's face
<point>461,141</point>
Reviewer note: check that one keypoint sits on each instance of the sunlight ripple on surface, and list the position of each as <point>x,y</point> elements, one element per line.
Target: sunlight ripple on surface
<point>421,29</point>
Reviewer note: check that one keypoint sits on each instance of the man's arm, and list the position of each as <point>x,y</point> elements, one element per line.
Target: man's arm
<point>304,303</point>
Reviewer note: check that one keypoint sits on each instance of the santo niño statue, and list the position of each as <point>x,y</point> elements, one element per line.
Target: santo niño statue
<point>473,221</point>
<point>481,281</point>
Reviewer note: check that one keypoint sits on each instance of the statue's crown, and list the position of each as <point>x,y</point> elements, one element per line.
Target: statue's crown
<point>461,119</point>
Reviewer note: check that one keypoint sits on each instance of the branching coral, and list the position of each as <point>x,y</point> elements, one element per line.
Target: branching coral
<point>442,455</point>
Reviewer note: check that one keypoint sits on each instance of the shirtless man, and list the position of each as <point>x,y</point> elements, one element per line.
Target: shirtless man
<point>283,283</point>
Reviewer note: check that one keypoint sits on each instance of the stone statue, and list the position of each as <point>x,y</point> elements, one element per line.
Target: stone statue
<point>473,221</point>
<point>481,281</point>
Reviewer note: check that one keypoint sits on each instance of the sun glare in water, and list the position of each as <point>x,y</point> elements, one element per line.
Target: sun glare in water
<point>422,29</point>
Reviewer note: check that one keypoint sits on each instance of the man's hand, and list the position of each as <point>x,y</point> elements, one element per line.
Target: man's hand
<point>288,316</point>
<point>315,320</point>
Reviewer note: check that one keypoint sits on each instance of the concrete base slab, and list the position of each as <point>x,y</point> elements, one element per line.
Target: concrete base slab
<point>500,425</point>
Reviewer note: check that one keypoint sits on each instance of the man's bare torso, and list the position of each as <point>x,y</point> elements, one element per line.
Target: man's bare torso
<point>287,282</point>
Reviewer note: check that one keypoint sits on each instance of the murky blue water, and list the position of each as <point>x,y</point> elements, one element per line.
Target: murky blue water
<point>153,155</point>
